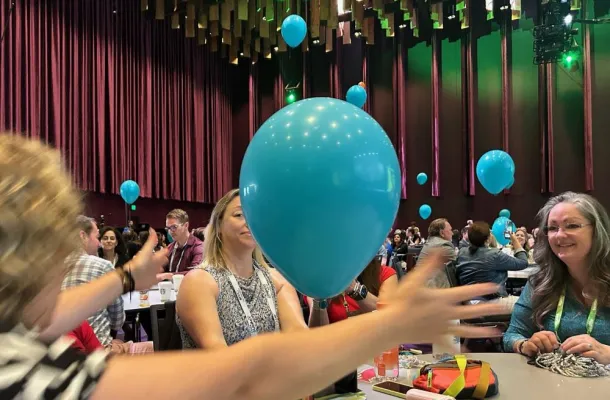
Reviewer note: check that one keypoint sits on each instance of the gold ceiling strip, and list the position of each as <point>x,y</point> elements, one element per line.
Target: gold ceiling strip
<point>225,16</point>
<point>214,13</point>
<point>333,21</point>
<point>233,50</point>
<point>214,43</point>
<point>347,4</point>
<point>436,14</point>
<point>266,48</point>
<point>214,28</point>
<point>247,52</point>
<point>257,45</point>
<point>315,19</point>
<point>358,14</point>
<point>254,58</point>
<point>370,22</point>
<point>390,31</point>
<point>160,10</point>
<point>191,15</point>
<point>230,4</point>
<point>404,5</point>
<point>226,37</point>
<point>223,51</point>
<point>330,39</point>
<point>237,26</point>
<point>269,10</point>
<point>281,45</point>
<point>324,10</point>
<point>143,5</point>
<point>175,21</point>
<point>201,36</point>
<point>264,28</point>
<point>305,45</point>
<point>242,10</point>
<point>272,33</point>
<point>203,18</point>
<point>252,14</point>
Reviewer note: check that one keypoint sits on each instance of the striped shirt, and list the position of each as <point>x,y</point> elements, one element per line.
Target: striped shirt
<point>88,268</point>
<point>30,369</point>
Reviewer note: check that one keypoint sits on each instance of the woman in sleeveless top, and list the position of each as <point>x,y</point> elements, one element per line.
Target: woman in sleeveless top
<point>234,294</point>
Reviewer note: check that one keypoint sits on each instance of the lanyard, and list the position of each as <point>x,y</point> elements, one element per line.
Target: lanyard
<point>171,261</point>
<point>244,305</point>
<point>559,313</point>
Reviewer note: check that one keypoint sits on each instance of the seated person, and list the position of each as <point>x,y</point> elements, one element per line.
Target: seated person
<point>360,297</point>
<point>479,263</point>
<point>84,339</point>
<point>440,234</point>
<point>234,294</point>
<point>567,303</point>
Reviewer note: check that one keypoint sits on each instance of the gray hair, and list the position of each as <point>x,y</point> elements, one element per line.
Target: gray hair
<point>550,281</point>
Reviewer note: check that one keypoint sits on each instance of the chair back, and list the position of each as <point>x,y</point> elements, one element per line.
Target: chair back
<point>165,331</point>
<point>451,271</point>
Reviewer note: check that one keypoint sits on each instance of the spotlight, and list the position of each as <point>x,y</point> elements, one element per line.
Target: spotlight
<point>276,49</point>
<point>357,34</point>
<point>241,54</point>
<point>316,41</point>
<point>568,19</point>
<point>402,26</point>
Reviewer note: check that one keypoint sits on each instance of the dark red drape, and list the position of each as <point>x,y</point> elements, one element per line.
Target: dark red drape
<point>253,101</point>
<point>122,96</point>
<point>399,104</point>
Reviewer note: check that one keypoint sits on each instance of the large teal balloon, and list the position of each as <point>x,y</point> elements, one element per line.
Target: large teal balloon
<point>500,226</point>
<point>130,191</point>
<point>495,170</point>
<point>320,188</point>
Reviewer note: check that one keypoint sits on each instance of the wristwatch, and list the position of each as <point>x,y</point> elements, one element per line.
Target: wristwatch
<point>320,304</point>
<point>521,346</point>
<point>359,293</point>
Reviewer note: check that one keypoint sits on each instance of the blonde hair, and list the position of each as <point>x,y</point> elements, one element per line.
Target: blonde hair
<point>178,214</point>
<point>213,253</point>
<point>38,207</point>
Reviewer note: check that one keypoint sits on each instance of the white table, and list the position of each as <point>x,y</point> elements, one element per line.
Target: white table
<point>521,381</point>
<point>154,298</point>
<point>524,273</point>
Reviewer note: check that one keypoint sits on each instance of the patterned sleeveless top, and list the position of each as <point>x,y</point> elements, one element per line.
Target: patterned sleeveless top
<point>232,319</point>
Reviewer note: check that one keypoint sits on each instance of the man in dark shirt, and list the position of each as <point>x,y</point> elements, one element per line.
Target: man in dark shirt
<point>186,252</point>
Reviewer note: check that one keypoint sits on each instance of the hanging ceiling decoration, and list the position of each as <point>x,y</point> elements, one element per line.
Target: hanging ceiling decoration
<point>251,28</point>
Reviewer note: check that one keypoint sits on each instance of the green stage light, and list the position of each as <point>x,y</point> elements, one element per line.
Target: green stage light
<point>291,98</point>
<point>133,207</point>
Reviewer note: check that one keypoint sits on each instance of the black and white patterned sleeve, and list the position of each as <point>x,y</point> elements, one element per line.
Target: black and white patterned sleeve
<point>30,369</point>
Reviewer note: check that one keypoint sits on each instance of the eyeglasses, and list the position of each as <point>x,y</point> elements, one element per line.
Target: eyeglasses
<point>567,228</point>
<point>173,228</point>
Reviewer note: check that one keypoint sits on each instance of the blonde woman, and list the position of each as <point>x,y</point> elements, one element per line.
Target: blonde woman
<point>38,206</point>
<point>234,295</point>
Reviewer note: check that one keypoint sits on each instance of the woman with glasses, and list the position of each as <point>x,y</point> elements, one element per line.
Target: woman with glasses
<point>567,303</point>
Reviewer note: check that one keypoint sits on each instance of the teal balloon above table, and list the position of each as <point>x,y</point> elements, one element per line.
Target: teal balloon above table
<point>320,187</point>
<point>294,30</point>
<point>422,178</point>
<point>356,95</point>
<point>130,191</point>
<point>499,228</point>
<point>425,211</point>
<point>504,213</point>
<point>496,171</point>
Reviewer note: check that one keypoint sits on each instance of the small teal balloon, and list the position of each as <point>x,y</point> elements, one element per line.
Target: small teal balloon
<point>356,95</point>
<point>130,191</point>
<point>425,211</point>
<point>294,30</point>
<point>504,213</point>
<point>500,227</point>
<point>495,170</point>
<point>316,164</point>
<point>422,178</point>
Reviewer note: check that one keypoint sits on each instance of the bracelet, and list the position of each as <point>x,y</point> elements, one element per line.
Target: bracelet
<point>520,350</point>
<point>126,279</point>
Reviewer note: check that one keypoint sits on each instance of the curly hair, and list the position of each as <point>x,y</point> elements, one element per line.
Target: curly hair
<point>38,207</point>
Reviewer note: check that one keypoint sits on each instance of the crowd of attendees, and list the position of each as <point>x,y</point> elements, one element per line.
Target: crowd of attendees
<point>233,306</point>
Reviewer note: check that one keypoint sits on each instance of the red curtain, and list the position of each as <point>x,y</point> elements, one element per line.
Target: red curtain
<point>121,95</point>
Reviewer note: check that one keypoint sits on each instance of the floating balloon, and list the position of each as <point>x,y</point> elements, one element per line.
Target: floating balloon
<point>320,163</point>
<point>356,95</point>
<point>294,30</point>
<point>425,211</point>
<point>500,227</point>
<point>362,85</point>
<point>422,178</point>
<point>130,191</point>
<point>495,170</point>
<point>504,213</point>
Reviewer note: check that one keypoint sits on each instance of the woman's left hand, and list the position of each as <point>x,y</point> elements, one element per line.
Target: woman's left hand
<point>587,346</point>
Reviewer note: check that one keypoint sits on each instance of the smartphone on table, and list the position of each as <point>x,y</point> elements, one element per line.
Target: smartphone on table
<point>407,392</point>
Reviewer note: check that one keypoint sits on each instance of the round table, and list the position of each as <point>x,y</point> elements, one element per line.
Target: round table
<point>518,380</point>
<point>133,304</point>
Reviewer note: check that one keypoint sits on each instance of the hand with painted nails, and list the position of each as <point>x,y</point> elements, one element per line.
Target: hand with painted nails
<point>587,346</point>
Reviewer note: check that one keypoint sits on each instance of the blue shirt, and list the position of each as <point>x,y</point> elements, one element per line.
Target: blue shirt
<point>573,321</point>
<point>488,265</point>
